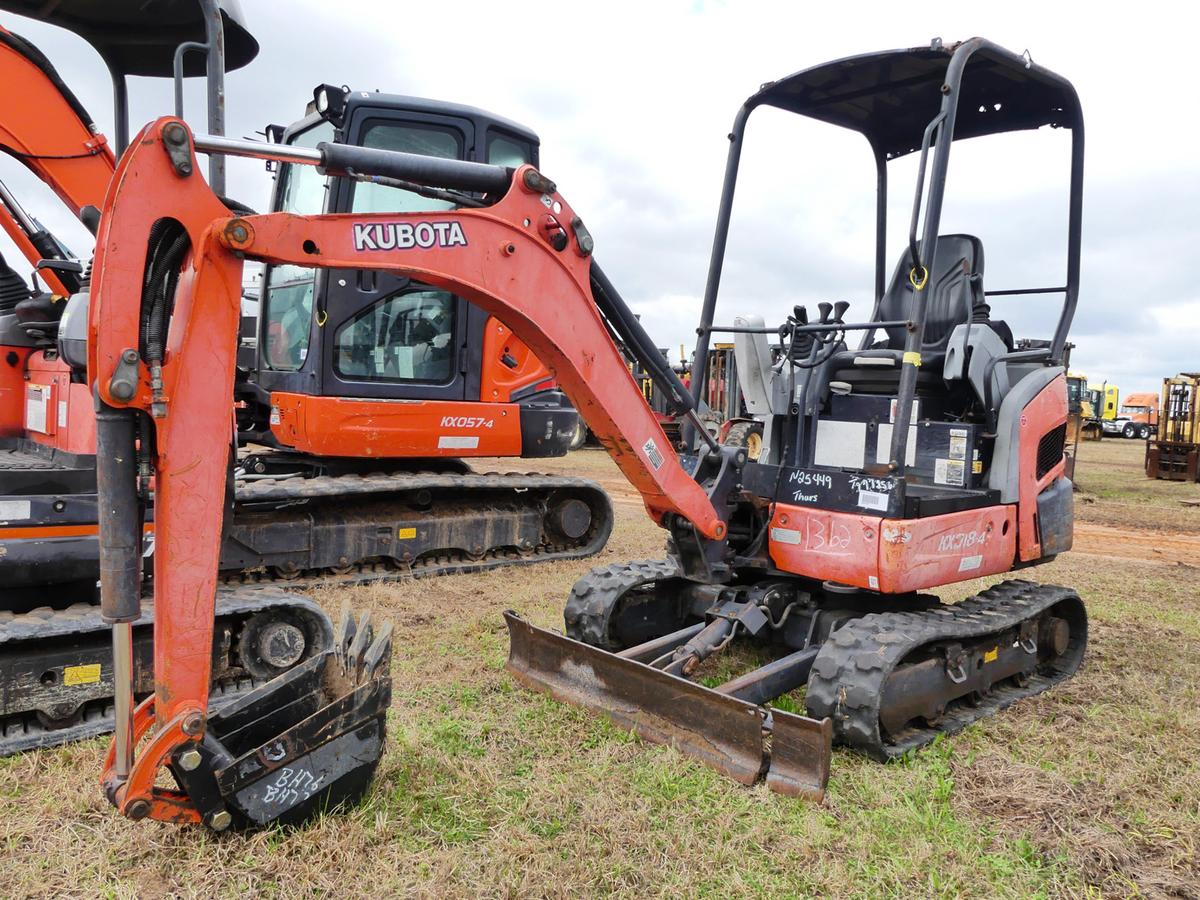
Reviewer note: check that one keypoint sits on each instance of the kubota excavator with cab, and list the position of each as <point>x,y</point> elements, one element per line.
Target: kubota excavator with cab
<point>361,477</point>
<point>947,465</point>
<point>366,373</point>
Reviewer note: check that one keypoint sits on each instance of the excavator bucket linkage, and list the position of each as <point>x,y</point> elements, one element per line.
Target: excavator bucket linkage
<point>736,737</point>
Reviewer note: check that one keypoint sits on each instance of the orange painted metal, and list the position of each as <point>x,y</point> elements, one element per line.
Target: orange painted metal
<point>893,556</point>
<point>12,390</point>
<point>346,426</point>
<point>831,546</point>
<point>69,414</point>
<point>38,532</point>
<point>164,804</point>
<point>915,554</point>
<point>1044,413</point>
<point>193,437</point>
<point>499,381</point>
<point>41,129</point>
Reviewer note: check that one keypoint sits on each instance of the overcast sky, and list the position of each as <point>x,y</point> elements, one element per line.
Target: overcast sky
<point>632,102</point>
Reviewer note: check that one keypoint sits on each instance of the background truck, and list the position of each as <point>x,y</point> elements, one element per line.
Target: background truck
<point>1137,417</point>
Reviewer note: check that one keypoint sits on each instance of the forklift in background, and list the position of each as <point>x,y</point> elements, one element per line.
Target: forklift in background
<point>1174,452</point>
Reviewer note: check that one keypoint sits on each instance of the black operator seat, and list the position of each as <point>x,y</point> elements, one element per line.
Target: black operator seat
<point>953,296</point>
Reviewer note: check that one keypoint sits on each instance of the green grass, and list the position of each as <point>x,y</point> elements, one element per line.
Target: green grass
<point>487,789</point>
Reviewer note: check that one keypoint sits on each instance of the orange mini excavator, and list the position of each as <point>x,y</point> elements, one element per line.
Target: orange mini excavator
<point>931,454</point>
<point>356,404</point>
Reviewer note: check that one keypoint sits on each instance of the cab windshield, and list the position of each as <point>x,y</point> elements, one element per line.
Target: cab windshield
<point>407,336</point>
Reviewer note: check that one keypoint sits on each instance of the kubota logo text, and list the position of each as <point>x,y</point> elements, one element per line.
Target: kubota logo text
<point>405,235</point>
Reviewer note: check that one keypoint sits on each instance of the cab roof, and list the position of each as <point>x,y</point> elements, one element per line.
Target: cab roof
<point>139,37</point>
<point>438,107</point>
<point>889,97</point>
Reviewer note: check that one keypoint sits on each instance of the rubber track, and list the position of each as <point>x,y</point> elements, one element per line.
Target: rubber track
<point>22,734</point>
<point>22,731</point>
<point>518,483</point>
<point>272,489</point>
<point>850,672</point>
<point>595,597</point>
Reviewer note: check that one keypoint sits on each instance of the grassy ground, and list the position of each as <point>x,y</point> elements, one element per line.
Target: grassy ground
<point>488,790</point>
<point>1114,490</point>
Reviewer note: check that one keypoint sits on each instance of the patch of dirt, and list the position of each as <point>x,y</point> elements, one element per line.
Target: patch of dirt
<point>1078,819</point>
<point>1127,543</point>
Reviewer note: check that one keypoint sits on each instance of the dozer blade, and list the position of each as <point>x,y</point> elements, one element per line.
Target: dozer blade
<point>800,755</point>
<point>309,740</point>
<point>719,730</point>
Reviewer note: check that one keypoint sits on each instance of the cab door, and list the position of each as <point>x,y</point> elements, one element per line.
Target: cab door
<point>382,335</point>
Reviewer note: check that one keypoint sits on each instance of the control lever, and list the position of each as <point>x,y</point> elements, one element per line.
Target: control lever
<point>839,310</point>
<point>800,313</point>
<point>826,309</point>
<point>69,271</point>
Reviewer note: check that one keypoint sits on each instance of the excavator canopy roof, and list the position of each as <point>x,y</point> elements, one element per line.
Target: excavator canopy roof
<point>891,96</point>
<point>139,37</point>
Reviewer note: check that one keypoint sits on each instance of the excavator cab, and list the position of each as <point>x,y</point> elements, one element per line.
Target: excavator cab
<point>334,343</point>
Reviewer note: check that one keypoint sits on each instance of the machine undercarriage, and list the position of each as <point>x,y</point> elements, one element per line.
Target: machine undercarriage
<point>883,675</point>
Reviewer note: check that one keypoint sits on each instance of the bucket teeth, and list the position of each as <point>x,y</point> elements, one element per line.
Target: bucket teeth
<point>362,638</point>
<point>344,633</point>
<point>380,651</point>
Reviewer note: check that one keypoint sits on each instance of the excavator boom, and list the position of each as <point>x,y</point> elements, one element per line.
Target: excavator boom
<point>499,257</point>
<point>47,129</point>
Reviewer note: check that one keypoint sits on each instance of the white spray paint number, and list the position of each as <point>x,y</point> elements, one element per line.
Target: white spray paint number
<point>961,540</point>
<point>291,786</point>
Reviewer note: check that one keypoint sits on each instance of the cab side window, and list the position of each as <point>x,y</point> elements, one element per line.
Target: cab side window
<point>405,337</point>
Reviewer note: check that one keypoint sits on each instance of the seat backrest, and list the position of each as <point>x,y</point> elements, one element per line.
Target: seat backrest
<point>954,289</point>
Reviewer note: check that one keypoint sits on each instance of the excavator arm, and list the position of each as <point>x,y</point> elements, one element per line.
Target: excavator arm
<point>162,363</point>
<point>500,257</point>
<point>46,128</point>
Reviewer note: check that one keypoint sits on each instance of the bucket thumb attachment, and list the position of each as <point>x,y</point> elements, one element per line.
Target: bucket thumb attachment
<point>719,730</point>
<point>304,742</point>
